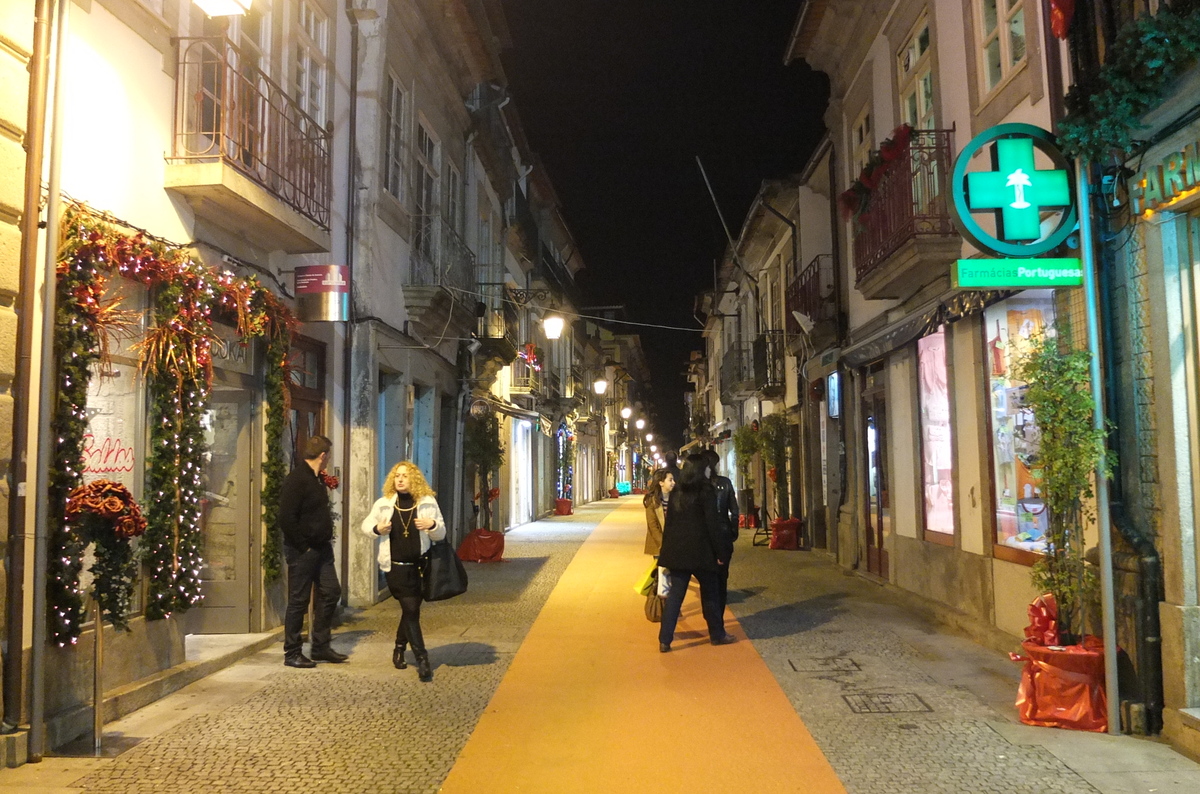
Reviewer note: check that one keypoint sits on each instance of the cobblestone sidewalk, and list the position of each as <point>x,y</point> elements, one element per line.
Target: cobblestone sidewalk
<point>898,706</point>
<point>363,727</point>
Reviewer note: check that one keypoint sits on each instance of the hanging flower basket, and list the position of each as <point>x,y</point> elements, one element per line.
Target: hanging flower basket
<point>104,512</point>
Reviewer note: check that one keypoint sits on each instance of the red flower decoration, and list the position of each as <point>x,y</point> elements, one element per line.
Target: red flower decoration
<point>328,480</point>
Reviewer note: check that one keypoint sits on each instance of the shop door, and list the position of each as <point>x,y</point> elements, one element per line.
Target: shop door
<point>878,518</point>
<point>228,510</point>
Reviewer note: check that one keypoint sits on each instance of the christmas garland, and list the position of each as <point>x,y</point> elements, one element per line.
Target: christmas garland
<point>105,513</point>
<point>1146,56</point>
<point>176,359</point>
<point>855,199</point>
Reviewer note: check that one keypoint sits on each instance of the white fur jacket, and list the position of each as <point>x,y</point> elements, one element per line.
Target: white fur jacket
<point>427,507</point>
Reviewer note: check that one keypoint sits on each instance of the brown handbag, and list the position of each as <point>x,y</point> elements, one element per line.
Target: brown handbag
<point>654,608</point>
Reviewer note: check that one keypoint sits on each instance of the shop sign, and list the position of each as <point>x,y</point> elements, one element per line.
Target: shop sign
<point>231,352</point>
<point>1163,182</point>
<point>322,293</point>
<point>1016,192</point>
<point>1016,273</point>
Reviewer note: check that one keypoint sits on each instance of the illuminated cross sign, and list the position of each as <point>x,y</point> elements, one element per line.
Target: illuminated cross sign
<point>1016,191</point>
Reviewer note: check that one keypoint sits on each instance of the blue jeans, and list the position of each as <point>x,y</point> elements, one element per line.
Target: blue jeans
<point>710,604</point>
<point>304,569</point>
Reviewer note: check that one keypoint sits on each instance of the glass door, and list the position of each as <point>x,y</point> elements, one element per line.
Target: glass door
<point>878,518</point>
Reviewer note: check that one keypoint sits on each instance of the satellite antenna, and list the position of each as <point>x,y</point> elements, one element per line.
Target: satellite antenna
<point>805,322</point>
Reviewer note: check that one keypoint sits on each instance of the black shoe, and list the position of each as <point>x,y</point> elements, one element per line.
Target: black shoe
<point>299,660</point>
<point>664,647</point>
<point>328,655</point>
<point>398,658</point>
<point>424,671</point>
<point>724,639</point>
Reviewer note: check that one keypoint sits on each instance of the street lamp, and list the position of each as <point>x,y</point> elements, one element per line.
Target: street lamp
<point>626,412</point>
<point>649,436</point>
<point>653,448</point>
<point>639,424</point>
<point>223,8</point>
<point>552,324</point>
<point>600,386</point>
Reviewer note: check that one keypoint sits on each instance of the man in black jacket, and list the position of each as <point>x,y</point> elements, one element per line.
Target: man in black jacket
<point>307,523</point>
<point>727,515</point>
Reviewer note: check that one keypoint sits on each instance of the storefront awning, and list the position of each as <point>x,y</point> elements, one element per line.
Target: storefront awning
<point>951,306</point>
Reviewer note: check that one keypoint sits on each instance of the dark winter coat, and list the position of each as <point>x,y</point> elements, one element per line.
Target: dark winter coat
<point>305,516</point>
<point>693,539</point>
<point>727,505</point>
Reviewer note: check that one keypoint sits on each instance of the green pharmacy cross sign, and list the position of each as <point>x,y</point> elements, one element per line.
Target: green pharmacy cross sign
<point>1016,191</point>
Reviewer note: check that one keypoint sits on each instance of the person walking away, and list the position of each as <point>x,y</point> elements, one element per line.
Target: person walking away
<point>306,520</point>
<point>727,516</point>
<point>407,520</point>
<point>659,493</point>
<point>693,545</point>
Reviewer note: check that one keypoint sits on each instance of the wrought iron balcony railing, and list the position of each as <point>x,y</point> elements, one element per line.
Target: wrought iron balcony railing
<point>499,320</point>
<point>811,293</point>
<point>525,379</point>
<point>737,372</point>
<point>768,362</point>
<point>909,201</point>
<point>228,111</point>
<point>440,257</point>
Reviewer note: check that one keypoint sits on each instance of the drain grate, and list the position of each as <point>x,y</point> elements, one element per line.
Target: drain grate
<point>886,703</point>
<point>824,664</point>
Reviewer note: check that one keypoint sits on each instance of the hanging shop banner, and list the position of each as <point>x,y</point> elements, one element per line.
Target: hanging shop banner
<point>322,293</point>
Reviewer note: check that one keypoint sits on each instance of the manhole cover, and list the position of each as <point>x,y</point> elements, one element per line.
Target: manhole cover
<point>824,664</point>
<point>885,703</point>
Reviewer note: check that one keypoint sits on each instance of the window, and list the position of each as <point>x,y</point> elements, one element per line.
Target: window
<point>396,139</point>
<point>1002,39</point>
<point>915,75</point>
<point>454,198</point>
<point>425,191</point>
<point>311,60</point>
<point>861,142</point>
<point>937,467</point>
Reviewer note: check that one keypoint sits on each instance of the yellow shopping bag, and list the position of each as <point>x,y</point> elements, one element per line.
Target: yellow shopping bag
<point>647,584</point>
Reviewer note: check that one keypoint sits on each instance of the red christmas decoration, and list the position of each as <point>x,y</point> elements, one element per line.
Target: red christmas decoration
<point>1061,14</point>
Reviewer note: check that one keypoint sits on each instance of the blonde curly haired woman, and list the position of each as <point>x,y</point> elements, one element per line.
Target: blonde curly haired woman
<point>406,520</point>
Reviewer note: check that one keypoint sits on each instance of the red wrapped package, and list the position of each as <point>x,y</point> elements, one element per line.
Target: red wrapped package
<point>1063,687</point>
<point>1043,621</point>
<point>480,545</point>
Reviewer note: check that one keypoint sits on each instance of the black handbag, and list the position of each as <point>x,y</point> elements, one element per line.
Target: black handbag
<point>442,573</point>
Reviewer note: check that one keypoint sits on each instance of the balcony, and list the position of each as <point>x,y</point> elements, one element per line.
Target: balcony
<point>525,379</point>
<point>440,292</point>
<point>737,373</point>
<point>492,141</point>
<point>496,327</point>
<point>811,293</point>
<point>768,364</point>
<point>905,238</point>
<point>244,155</point>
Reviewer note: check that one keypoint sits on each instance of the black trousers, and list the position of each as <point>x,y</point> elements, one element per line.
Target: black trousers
<point>404,583</point>
<point>304,569</point>
<point>711,608</point>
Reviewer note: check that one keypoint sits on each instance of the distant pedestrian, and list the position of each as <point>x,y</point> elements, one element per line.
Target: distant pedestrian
<point>662,482</point>
<point>306,520</point>
<point>727,515</point>
<point>693,545</point>
<point>409,518</point>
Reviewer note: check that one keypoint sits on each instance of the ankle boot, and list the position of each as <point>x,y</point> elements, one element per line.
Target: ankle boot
<point>424,671</point>
<point>398,657</point>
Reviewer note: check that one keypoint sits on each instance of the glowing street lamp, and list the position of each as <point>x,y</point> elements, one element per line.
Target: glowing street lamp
<point>626,412</point>
<point>653,448</point>
<point>600,386</point>
<point>552,324</point>
<point>223,8</point>
<point>639,424</point>
<point>649,436</point>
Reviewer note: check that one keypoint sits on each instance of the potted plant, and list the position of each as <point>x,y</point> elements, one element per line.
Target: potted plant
<point>1066,459</point>
<point>566,472</point>
<point>773,435</point>
<point>483,450</point>
<point>746,444</point>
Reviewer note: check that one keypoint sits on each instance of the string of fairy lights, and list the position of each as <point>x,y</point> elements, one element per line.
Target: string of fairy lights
<point>175,355</point>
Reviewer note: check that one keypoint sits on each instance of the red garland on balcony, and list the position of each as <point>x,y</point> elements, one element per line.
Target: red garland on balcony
<point>853,201</point>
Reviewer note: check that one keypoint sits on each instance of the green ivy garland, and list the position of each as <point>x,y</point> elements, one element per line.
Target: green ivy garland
<point>275,466</point>
<point>176,360</point>
<point>1146,56</point>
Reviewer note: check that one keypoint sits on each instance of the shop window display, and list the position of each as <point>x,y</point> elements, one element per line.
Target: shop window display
<point>1010,327</point>
<point>937,467</point>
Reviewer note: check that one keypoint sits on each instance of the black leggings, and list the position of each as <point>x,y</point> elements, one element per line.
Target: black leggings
<point>404,582</point>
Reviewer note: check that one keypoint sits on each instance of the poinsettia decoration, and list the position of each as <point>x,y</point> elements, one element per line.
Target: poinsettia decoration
<point>855,199</point>
<point>104,512</point>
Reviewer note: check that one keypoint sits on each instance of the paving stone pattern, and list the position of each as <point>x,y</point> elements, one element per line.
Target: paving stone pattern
<point>364,727</point>
<point>832,656</point>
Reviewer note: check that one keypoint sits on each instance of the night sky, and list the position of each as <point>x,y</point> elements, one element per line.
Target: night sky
<point>618,97</point>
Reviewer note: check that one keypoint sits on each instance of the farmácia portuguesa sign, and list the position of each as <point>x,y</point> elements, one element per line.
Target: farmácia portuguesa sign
<point>1017,193</point>
<point>1165,181</point>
